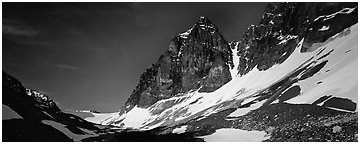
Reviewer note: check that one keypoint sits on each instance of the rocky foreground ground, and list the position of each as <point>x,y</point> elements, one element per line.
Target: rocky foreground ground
<point>282,122</point>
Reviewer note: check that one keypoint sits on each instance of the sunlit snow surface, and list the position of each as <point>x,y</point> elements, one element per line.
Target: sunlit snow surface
<point>235,135</point>
<point>324,28</point>
<point>179,130</point>
<point>136,117</point>
<point>100,118</point>
<point>339,81</point>
<point>339,76</point>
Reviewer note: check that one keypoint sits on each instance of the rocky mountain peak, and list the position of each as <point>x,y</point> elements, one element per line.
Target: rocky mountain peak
<point>203,34</point>
<point>204,20</point>
<point>42,99</point>
<point>203,26</point>
<point>197,59</point>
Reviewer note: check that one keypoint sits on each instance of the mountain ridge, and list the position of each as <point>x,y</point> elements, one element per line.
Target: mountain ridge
<point>35,109</point>
<point>289,78</point>
<point>263,47</point>
<point>270,42</point>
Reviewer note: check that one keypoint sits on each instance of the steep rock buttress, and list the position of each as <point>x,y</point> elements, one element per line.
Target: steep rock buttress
<point>199,58</point>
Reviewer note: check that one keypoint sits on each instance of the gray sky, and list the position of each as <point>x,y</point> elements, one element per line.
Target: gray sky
<point>91,55</point>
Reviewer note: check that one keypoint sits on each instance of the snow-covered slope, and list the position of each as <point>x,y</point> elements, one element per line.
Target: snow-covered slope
<point>338,77</point>
<point>99,118</point>
<point>330,70</point>
<point>334,63</point>
<point>8,113</point>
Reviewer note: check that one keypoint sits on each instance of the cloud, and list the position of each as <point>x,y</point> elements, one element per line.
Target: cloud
<point>100,52</point>
<point>137,11</point>
<point>71,10</point>
<point>17,29</point>
<point>41,43</point>
<point>140,14</point>
<point>70,67</point>
<point>142,21</point>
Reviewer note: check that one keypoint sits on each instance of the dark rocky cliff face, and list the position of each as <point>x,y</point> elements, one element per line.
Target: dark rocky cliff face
<point>27,106</point>
<point>283,25</point>
<point>199,58</point>
<point>35,107</point>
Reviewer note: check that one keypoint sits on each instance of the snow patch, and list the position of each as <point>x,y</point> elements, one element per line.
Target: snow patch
<point>36,94</point>
<point>186,34</point>
<point>271,22</point>
<point>180,130</point>
<point>235,135</point>
<point>286,39</point>
<point>136,117</point>
<point>341,110</point>
<point>343,11</point>
<point>236,59</point>
<point>324,28</point>
<point>100,118</point>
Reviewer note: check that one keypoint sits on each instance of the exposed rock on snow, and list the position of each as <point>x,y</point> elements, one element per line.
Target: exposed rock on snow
<point>336,129</point>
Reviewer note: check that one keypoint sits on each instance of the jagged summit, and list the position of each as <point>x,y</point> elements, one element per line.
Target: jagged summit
<point>197,59</point>
<point>203,18</point>
<point>204,21</point>
<point>204,33</point>
<point>203,25</point>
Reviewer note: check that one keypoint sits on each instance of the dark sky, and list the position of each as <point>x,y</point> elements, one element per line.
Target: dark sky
<point>91,55</point>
